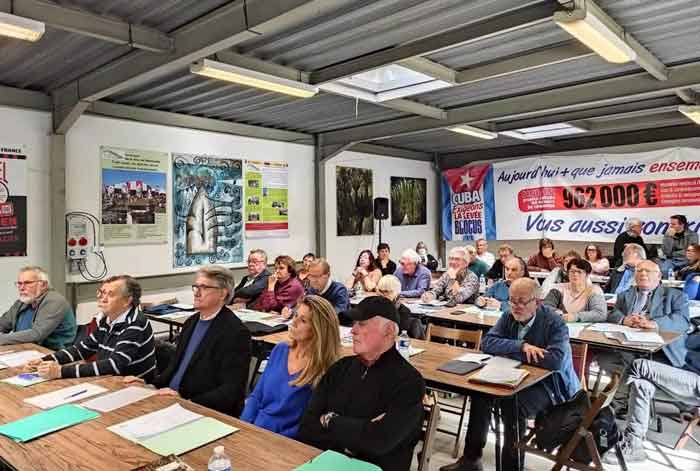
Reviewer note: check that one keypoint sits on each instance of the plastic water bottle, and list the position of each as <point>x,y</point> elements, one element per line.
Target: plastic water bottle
<point>404,345</point>
<point>671,276</point>
<point>219,461</point>
<point>482,284</point>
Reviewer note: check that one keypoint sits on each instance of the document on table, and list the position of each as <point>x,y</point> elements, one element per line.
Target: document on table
<point>644,337</point>
<point>25,379</point>
<point>184,307</point>
<point>415,351</point>
<point>118,399</point>
<point>503,362</point>
<point>434,303</point>
<point>15,359</point>
<point>332,460</point>
<point>510,377</point>
<point>575,328</point>
<point>65,395</point>
<point>248,315</point>
<point>45,422</point>
<point>155,423</point>
<point>474,357</point>
<point>176,315</point>
<point>607,327</point>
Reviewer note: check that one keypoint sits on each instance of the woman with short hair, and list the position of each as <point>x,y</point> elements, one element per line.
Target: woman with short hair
<point>283,287</point>
<point>578,300</point>
<point>600,264</point>
<point>390,287</point>
<point>545,259</point>
<point>294,368</point>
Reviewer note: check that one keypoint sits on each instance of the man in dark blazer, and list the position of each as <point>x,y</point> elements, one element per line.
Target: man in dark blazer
<point>255,282</point>
<point>211,362</point>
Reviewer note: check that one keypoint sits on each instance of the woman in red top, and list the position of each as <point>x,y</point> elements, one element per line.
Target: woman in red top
<point>545,259</point>
<point>283,287</point>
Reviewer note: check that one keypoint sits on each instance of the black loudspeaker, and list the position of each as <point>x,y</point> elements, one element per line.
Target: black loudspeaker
<point>381,208</point>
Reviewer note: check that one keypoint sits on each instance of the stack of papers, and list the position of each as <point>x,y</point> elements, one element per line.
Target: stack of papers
<point>25,379</point>
<point>172,431</point>
<point>508,377</point>
<point>15,359</point>
<point>118,399</point>
<point>46,422</point>
<point>575,328</point>
<point>65,395</point>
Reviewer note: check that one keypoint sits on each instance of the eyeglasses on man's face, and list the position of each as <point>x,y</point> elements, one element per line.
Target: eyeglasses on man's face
<point>196,288</point>
<point>647,270</point>
<point>520,302</point>
<point>19,284</point>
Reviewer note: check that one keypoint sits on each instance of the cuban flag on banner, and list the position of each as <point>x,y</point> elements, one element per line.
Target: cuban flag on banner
<point>468,203</point>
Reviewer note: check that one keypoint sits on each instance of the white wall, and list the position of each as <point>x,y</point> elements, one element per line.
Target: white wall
<point>30,129</point>
<point>83,180</point>
<point>342,251</point>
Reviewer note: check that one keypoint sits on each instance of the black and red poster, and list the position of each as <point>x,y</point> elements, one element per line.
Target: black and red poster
<point>13,202</point>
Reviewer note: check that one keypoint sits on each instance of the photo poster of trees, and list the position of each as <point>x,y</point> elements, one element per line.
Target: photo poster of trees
<point>408,198</point>
<point>354,195</point>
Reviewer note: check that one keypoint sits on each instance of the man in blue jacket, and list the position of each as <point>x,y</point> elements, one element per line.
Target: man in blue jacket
<point>323,285</point>
<point>648,305</point>
<point>532,334</point>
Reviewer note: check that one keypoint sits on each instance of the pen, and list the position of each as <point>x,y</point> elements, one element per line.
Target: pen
<point>75,394</point>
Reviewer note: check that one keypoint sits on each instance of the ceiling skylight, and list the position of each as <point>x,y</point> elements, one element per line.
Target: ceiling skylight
<point>542,132</point>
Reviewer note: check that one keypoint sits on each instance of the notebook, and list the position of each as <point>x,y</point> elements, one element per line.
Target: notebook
<point>507,377</point>
<point>459,367</point>
<point>45,422</point>
<point>333,461</point>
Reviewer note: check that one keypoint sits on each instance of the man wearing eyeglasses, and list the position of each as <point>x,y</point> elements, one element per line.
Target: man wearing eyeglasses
<point>255,282</point>
<point>212,358</point>
<point>40,315</point>
<point>532,333</point>
<point>122,343</point>
<point>648,305</point>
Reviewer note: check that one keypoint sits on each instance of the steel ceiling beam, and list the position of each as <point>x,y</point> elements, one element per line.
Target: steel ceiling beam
<point>591,94</point>
<point>527,15</point>
<point>89,24</point>
<point>19,98</point>
<point>689,96</point>
<point>431,68</point>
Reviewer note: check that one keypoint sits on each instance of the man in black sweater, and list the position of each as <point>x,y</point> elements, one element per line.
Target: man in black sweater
<point>369,406</point>
<point>632,235</point>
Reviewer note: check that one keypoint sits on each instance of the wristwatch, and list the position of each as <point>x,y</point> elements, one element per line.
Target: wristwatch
<point>326,419</point>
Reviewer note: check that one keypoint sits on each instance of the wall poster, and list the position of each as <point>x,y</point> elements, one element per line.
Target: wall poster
<point>408,206</point>
<point>133,195</point>
<point>266,199</point>
<point>13,201</point>
<point>207,210</point>
<point>354,201</point>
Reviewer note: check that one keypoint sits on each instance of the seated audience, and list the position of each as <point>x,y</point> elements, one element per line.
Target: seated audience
<point>211,362</point>
<point>545,259</point>
<point>304,272</point>
<point>123,342</point>
<point>497,270</point>
<point>283,287</point>
<point>255,282</point>
<point>426,259</point>
<point>457,285</point>
<point>578,300</point>
<point>676,242</point>
<point>621,278</point>
<point>389,286</point>
<point>533,335</point>
<point>648,305</point>
<point>365,274</point>
<point>673,384</point>
<point>692,253</point>
<point>320,283</point>
<point>496,296</point>
<point>369,405</point>
<point>632,235</point>
<point>599,264</point>
<point>40,315</point>
<point>385,264</point>
<point>476,266</point>
<point>483,254</point>
<point>414,277</point>
<point>295,367</point>
<point>559,274</point>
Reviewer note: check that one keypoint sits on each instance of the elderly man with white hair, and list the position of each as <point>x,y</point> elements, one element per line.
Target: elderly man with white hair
<point>369,405</point>
<point>414,277</point>
<point>40,315</point>
<point>632,235</point>
<point>458,285</point>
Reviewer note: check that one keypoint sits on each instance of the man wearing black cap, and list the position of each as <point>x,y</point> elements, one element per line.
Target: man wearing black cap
<point>369,405</point>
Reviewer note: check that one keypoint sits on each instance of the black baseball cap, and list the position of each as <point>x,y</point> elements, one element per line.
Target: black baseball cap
<point>373,306</point>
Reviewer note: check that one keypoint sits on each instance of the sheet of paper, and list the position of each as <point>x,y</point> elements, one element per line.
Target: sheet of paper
<point>248,315</point>
<point>503,362</point>
<point>45,422</point>
<point>118,399</point>
<point>644,337</point>
<point>65,395</point>
<point>473,357</point>
<point>415,351</point>
<point>607,327</point>
<point>434,303</point>
<point>332,460</point>
<point>19,358</point>
<point>155,423</point>
<point>25,379</point>
<point>273,321</point>
<point>176,315</point>
<point>185,307</point>
<point>188,437</point>
<point>575,328</point>
<point>505,376</point>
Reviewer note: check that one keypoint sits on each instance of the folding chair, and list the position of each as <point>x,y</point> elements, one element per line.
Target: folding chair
<point>432,417</point>
<point>579,352</point>
<point>691,419</point>
<point>562,455</point>
<point>457,337</point>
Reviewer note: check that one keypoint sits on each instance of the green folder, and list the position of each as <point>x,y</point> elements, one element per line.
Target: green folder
<point>188,437</point>
<point>45,422</point>
<point>332,460</point>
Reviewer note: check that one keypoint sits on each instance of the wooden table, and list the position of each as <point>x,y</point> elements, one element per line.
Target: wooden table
<point>90,446</point>
<point>470,319</point>
<point>171,322</point>
<point>598,339</point>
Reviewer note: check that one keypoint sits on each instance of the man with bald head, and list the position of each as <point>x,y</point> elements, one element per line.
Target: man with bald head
<point>532,333</point>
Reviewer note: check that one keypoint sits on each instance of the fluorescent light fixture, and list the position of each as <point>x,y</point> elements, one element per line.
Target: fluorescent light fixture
<point>692,112</point>
<point>543,132</point>
<point>251,78</point>
<point>592,31</point>
<point>472,131</point>
<point>21,28</point>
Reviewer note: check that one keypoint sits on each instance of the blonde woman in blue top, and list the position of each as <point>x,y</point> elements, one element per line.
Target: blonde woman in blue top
<point>295,367</point>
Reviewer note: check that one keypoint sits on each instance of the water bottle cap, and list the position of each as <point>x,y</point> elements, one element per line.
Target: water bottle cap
<point>219,450</point>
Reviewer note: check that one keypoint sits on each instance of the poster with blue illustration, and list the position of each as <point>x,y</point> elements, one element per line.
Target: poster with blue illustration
<point>207,210</point>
